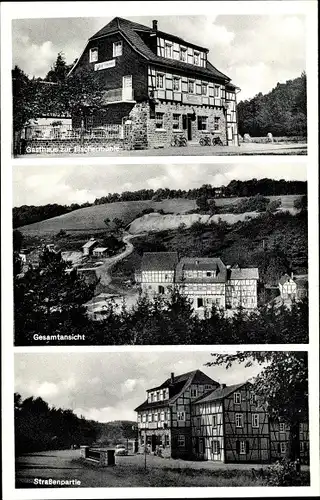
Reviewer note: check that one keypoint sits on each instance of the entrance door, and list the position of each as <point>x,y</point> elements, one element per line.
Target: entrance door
<point>201,446</point>
<point>153,442</point>
<point>161,289</point>
<point>189,123</point>
<point>127,88</point>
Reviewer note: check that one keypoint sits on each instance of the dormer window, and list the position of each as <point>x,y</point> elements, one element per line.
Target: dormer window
<point>117,49</point>
<point>168,50</point>
<point>151,397</point>
<point>196,58</point>
<point>183,54</point>
<point>93,55</point>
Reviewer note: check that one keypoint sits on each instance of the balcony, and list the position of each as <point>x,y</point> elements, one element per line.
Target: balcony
<point>153,425</point>
<point>118,95</point>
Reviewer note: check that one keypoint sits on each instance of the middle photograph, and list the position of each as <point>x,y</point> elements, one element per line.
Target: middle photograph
<point>160,254</point>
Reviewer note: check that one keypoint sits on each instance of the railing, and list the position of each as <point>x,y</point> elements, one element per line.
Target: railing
<point>66,132</point>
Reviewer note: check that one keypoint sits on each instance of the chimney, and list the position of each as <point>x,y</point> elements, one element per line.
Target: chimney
<point>172,378</point>
<point>222,386</point>
<point>154,25</point>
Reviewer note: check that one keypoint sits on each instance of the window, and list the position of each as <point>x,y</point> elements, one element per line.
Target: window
<point>181,415</point>
<point>176,84</point>
<point>191,86</point>
<point>283,447</point>
<point>196,58</point>
<point>214,421</point>
<point>199,302</point>
<point>159,120</point>
<point>151,397</point>
<point>160,81</point>
<point>152,417</point>
<point>207,387</point>
<point>242,449</point>
<point>253,398</point>
<point>255,420</point>
<point>166,440</point>
<point>149,417</point>
<point>202,123</point>
<point>158,395</point>
<point>194,392</point>
<point>181,441</point>
<point>239,420</point>
<point>176,122</point>
<point>168,50</point>
<point>237,398</point>
<point>282,427</point>
<point>144,417</point>
<point>216,91</point>
<point>216,123</point>
<point>117,49</point>
<point>183,54</point>
<point>215,446</point>
<point>139,417</point>
<point>204,89</point>
<point>208,274</point>
<point>198,422</point>
<point>93,55</point>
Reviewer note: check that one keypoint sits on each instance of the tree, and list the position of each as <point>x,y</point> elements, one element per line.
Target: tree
<point>282,386</point>
<point>202,203</point>
<point>59,71</point>
<point>24,99</point>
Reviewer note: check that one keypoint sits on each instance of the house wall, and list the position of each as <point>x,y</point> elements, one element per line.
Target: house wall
<point>209,293</point>
<point>241,293</point>
<point>256,440</point>
<point>279,440</point>
<point>205,431</point>
<point>152,280</point>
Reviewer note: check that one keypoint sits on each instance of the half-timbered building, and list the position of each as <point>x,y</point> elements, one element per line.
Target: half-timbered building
<point>160,84</point>
<point>192,416</point>
<point>205,281</point>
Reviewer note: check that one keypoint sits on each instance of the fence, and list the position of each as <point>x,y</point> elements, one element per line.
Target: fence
<point>66,132</point>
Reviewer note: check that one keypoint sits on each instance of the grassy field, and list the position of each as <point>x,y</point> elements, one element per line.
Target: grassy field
<point>92,218</point>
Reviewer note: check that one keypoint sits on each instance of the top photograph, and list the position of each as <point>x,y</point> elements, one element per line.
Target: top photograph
<point>173,86</point>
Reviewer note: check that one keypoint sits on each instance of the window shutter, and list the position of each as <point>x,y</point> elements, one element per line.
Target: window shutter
<point>247,447</point>
<point>238,447</point>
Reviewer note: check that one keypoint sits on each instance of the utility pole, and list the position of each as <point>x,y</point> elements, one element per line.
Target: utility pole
<point>145,449</point>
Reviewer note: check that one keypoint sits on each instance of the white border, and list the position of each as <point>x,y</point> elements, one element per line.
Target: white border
<point>85,9</point>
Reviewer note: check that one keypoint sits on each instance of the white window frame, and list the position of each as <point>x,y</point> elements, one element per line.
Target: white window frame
<point>253,398</point>
<point>242,448</point>
<point>160,75</point>
<point>144,418</point>
<point>255,420</point>
<point>216,125</point>
<point>217,91</point>
<point>181,441</point>
<point>176,79</point>
<point>204,128</point>
<point>190,80</point>
<point>204,84</point>
<point>239,418</point>
<point>176,121</point>
<point>91,51</point>
<point>196,53</point>
<point>194,392</point>
<point>207,387</point>
<point>159,120</point>
<point>168,45</point>
<point>237,398</point>
<point>115,48</point>
<point>183,50</point>
<point>149,418</point>
<point>181,416</point>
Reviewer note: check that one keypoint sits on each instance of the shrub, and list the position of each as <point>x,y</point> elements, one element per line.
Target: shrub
<point>273,206</point>
<point>283,473</point>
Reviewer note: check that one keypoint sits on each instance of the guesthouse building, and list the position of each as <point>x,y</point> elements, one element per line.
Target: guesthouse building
<point>157,86</point>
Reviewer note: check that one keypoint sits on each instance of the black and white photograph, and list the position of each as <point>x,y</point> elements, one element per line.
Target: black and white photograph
<point>112,255</point>
<point>161,419</point>
<point>175,85</point>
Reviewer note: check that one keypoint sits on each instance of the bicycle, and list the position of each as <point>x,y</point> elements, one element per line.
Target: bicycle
<point>216,141</point>
<point>205,141</point>
<point>179,140</point>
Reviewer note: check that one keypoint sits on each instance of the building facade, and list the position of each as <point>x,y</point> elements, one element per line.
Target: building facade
<point>205,281</point>
<point>194,417</point>
<point>159,85</point>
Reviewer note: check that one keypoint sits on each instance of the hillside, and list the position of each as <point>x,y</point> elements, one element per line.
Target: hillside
<point>116,432</point>
<point>92,218</point>
<point>283,111</point>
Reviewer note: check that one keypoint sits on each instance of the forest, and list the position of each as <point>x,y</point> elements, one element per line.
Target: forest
<point>28,214</point>
<point>40,427</point>
<point>282,112</point>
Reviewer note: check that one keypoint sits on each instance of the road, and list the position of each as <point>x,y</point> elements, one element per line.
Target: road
<point>245,149</point>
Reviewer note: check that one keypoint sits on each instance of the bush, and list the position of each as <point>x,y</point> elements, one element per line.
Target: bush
<point>283,473</point>
<point>273,206</point>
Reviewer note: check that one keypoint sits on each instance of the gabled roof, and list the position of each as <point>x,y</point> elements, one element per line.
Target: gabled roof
<point>130,31</point>
<point>247,273</point>
<point>220,393</point>
<point>159,261</point>
<point>202,264</point>
<point>90,243</point>
<point>284,279</point>
<point>179,385</point>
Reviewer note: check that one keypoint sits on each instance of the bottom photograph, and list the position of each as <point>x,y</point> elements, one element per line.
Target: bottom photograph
<point>161,419</point>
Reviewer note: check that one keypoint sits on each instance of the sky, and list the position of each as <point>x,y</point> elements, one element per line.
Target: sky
<point>109,386</point>
<point>40,185</point>
<point>256,52</point>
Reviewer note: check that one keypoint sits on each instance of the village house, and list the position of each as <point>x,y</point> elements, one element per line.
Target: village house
<point>157,86</point>
<point>293,287</point>
<point>205,281</point>
<point>88,247</point>
<point>191,416</point>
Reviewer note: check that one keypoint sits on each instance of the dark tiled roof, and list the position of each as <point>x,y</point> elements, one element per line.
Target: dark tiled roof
<point>248,273</point>
<point>179,384</point>
<point>130,31</point>
<point>202,264</point>
<point>159,261</point>
<point>220,393</point>
<point>284,279</point>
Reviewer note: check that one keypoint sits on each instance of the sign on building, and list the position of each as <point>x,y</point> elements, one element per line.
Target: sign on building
<point>105,65</point>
